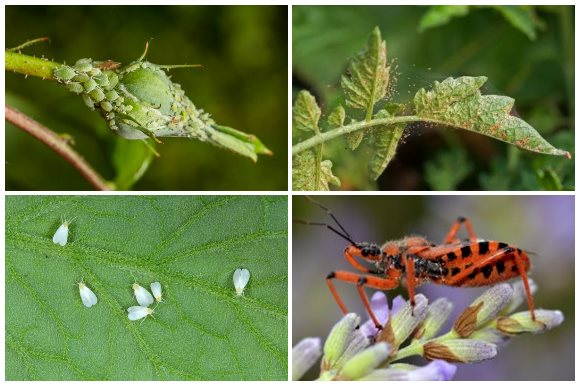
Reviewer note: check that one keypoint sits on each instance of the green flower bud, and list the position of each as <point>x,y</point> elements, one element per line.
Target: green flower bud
<point>365,362</point>
<point>437,314</point>
<point>522,322</point>
<point>338,339</point>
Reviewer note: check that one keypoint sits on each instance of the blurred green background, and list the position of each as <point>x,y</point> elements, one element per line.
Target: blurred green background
<point>243,84</point>
<point>543,225</point>
<point>526,52</point>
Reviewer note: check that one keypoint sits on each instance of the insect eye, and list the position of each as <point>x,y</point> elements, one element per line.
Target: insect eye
<point>365,252</point>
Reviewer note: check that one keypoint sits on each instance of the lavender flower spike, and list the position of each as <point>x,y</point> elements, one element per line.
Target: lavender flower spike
<point>304,355</point>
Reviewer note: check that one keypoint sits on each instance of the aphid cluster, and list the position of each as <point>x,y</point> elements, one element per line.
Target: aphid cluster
<point>138,100</point>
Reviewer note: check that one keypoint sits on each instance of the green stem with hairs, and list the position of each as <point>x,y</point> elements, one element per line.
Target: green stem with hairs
<point>30,65</point>
<point>320,138</point>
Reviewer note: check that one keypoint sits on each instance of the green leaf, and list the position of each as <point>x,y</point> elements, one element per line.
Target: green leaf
<point>336,119</point>
<point>367,77</point>
<point>248,141</point>
<point>548,179</point>
<point>438,15</point>
<point>448,169</point>
<point>304,167</point>
<point>305,112</point>
<point>190,244</point>
<point>131,160</point>
<point>385,141</point>
<point>459,103</point>
<point>521,17</point>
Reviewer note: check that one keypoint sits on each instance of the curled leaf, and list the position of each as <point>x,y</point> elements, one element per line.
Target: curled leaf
<point>458,102</point>
<point>367,75</point>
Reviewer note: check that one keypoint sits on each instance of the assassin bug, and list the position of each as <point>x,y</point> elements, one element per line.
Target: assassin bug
<point>468,263</point>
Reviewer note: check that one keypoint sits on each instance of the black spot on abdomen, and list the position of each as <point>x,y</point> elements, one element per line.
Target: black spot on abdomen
<point>483,247</point>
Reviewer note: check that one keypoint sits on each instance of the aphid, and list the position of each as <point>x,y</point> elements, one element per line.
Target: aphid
<point>61,235</point>
<point>471,263</point>
<point>241,278</point>
<point>156,289</point>
<point>139,312</point>
<point>64,73</point>
<point>87,296</point>
<point>143,296</point>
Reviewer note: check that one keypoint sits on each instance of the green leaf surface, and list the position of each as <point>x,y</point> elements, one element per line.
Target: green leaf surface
<point>521,17</point>
<point>305,112</point>
<point>448,169</point>
<point>438,15</point>
<point>304,166</point>
<point>190,244</point>
<point>458,102</point>
<point>367,77</point>
<point>131,160</point>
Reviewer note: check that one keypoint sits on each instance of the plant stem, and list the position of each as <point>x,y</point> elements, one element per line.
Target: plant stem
<point>30,65</point>
<point>331,134</point>
<point>59,145</point>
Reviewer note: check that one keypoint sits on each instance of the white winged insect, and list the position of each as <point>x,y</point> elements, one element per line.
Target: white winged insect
<point>143,296</point>
<point>156,289</point>
<point>61,235</point>
<point>87,296</point>
<point>139,312</point>
<point>241,278</point>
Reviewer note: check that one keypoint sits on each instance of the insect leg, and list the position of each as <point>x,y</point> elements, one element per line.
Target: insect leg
<point>355,263</point>
<point>455,229</point>
<point>361,282</point>
<point>410,270</point>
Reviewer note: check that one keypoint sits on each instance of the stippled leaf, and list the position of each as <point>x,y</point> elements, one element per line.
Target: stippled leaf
<point>367,76</point>
<point>336,118</point>
<point>305,112</point>
<point>190,244</point>
<point>458,102</point>
<point>385,141</point>
<point>304,168</point>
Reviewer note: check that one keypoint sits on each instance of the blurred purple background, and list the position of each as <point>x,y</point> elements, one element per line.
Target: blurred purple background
<point>543,225</point>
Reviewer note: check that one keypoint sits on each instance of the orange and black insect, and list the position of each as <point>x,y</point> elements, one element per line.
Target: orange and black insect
<point>469,263</point>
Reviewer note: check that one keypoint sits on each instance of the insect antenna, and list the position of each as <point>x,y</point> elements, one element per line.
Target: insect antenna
<point>344,234</point>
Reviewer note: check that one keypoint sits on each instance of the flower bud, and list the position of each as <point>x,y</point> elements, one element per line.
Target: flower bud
<point>459,350</point>
<point>522,322</point>
<point>304,355</point>
<point>338,339</point>
<point>365,362</point>
<point>483,309</point>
